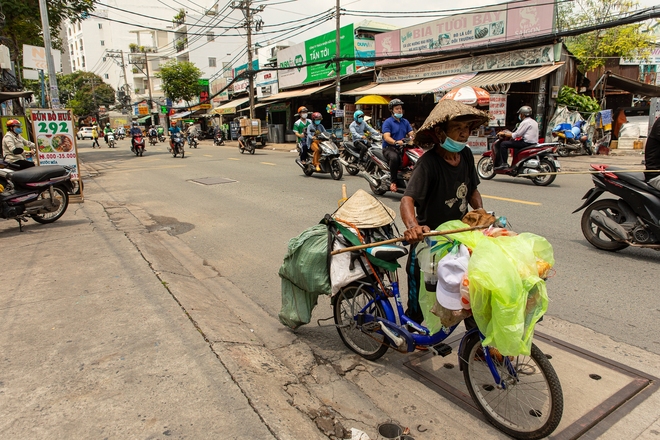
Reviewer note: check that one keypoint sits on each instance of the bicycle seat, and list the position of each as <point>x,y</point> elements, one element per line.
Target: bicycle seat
<point>388,252</point>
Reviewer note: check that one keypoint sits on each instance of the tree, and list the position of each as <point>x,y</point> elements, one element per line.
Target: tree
<point>84,92</point>
<point>180,80</point>
<point>23,25</point>
<point>593,48</point>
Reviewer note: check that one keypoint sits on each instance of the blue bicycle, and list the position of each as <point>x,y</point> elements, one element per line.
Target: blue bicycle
<point>519,395</point>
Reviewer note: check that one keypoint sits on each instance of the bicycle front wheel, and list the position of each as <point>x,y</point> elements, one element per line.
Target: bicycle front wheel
<point>350,301</point>
<point>530,404</point>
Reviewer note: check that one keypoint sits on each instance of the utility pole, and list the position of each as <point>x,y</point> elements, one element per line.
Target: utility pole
<point>52,76</point>
<point>115,55</point>
<point>96,107</point>
<point>151,100</point>
<point>337,55</point>
<point>245,7</point>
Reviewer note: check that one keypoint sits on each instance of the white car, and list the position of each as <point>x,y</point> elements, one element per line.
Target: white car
<point>84,133</point>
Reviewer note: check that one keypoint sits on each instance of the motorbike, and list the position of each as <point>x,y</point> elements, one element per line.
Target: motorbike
<point>40,193</point>
<point>350,154</point>
<point>630,220</point>
<point>177,145</point>
<point>527,163</point>
<point>571,139</point>
<point>377,169</point>
<point>192,141</point>
<point>161,137</point>
<point>153,140</point>
<point>218,139</point>
<point>329,162</point>
<point>137,146</point>
<point>111,140</point>
<point>247,143</point>
<point>120,135</point>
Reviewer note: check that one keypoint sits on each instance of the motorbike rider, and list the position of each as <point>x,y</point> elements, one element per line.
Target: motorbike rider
<point>652,155</point>
<point>312,129</point>
<point>153,132</point>
<point>14,140</point>
<point>174,129</point>
<point>106,130</point>
<point>526,134</point>
<point>442,184</point>
<point>121,131</point>
<point>357,128</point>
<point>299,128</point>
<point>395,129</point>
<point>190,132</point>
<point>135,131</point>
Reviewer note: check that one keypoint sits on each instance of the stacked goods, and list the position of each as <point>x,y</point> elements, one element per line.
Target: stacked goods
<point>250,127</point>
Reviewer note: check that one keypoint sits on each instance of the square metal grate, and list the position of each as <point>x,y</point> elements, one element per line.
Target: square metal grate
<point>212,180</point>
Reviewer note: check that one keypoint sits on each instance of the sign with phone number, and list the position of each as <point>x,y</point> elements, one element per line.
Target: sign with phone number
<point>55,138</point>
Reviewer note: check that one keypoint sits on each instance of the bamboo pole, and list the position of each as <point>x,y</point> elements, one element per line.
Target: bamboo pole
<point>400,239</point>
<point>558,173</point>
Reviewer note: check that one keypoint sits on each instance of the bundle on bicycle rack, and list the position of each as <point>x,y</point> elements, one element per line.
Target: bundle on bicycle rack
<point>309,269</point>
<point>496,275</point>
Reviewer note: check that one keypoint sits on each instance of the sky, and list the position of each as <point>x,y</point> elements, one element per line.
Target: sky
<point>279,11</point>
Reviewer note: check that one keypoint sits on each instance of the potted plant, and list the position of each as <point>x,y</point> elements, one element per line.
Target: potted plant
<point>133,47</point>
<point>180,17</point>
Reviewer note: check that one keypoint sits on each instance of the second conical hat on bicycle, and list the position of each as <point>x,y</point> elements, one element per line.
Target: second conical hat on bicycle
<point>447,110</point>
<point>364,211</point>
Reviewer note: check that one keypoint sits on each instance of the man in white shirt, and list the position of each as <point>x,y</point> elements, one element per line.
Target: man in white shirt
<point>526,134</point>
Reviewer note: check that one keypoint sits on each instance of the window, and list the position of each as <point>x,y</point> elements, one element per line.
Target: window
<point>100,25</point>
<point>81,45</point>
<point>210,36</point>
<point>69,30</point>
<point>102,43</point>
<point>83,61</point>
<point>76,45</point>
<point>71,48</point>
<point>106,76</point>
<point>212,62</point>
<point>79,27</point>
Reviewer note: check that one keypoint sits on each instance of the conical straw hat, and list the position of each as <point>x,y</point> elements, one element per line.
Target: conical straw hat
<point>447,110</point>
<point>364,211</point>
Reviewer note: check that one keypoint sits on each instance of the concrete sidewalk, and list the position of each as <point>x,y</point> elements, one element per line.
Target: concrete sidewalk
<point>112,328</point>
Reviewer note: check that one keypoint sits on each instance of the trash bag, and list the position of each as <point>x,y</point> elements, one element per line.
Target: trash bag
<point>507,294</point>
<point>305,275</point>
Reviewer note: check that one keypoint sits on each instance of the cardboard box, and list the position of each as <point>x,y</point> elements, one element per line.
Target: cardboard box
<point>614,145</point>
<point>251,131</point>
<point>244,122</point>
<point>639,144</point>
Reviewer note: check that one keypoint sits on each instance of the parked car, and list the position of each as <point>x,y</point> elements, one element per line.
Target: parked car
<point>84,133</point>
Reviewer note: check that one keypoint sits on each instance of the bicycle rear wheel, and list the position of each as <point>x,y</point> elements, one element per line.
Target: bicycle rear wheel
<point>531,404</point>
<point>350,301</point>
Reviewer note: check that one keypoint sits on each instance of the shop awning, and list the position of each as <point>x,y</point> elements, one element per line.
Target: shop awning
<point>412,87</point>
<point>297,93</point>
<point>632,86</point>
<point>143,119</point>
<point>6,96</point>
<point>179,115</point>
<point>511,76</point>
<point>261,104</point>
<point>230,107</point>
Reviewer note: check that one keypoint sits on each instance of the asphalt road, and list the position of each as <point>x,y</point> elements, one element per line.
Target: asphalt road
<point>242,227</point>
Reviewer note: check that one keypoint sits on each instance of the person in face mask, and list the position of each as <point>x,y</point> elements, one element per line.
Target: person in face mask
<point>395,129</point>
<point>526,134</point>
<point>443,183</point>
<point>358,128</point>
<point>311,132</point>
<point>13,140</point>
<point>299,128</point>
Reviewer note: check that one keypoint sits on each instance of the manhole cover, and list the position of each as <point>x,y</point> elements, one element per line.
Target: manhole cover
<point>212,180</point>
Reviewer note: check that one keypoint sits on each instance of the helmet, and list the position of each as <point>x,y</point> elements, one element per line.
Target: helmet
<point>525,110</point>
<point>317,116</point>
<point>107,124</point>
<point>357,114</point>
<point>393,103</point>
<point>13,123</point>
<point>302,109</point>
<point>172,123</point>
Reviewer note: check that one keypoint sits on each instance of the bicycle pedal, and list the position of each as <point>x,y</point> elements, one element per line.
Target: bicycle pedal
<point>441,349</point>
<point>372,326</point>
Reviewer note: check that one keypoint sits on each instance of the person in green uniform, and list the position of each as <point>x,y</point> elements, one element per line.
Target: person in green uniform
<point>299,129</point>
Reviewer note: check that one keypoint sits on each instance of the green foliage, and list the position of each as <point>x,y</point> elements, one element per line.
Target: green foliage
<point>23,21</point>
<point>593,48</point>
<point>574,101</point>
<point>76,92</point>
<point>180,80</point>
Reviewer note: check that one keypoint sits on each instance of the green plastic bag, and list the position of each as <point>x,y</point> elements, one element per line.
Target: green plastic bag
<point>305,275</point>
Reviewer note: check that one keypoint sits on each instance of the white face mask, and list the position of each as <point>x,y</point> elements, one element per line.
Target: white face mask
<point>303,115</point>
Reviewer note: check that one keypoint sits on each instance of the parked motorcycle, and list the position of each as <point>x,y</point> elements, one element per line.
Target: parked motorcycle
<point>377,169</point>
<point>527,163</point>
<point>137,146</point>
<point>630,220</point>
<point>572,140</point>
<point>177,145</point>
<point>41,193</point>
<point>112,143</point>
<point>329,162</point>
<point>350,154</point>
<point>247,143</point>
<point>218,139</point>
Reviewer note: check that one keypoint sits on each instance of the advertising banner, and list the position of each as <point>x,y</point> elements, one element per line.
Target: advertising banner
<point>494,24</point>
<point>217,85</point>
<point>321,48</point>
<point>21,119</point>
<point>56,139</point>
<point>365,47</point>
<point>266,83</point>
<point>34,57</point>
<point>242,86</point>
<point>497,110</point>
